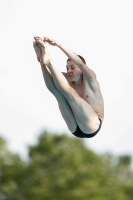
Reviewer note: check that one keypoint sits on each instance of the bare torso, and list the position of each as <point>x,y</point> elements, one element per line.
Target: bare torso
<point>91,93</point>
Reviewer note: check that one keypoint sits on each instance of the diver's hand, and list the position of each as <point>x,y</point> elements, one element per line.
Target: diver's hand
<point>51,41</point>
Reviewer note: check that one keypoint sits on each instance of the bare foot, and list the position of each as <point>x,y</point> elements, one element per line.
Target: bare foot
<point>38,50</point>
<point>45,57</point>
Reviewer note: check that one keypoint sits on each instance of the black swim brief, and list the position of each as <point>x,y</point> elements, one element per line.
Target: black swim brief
<point>80,134</point>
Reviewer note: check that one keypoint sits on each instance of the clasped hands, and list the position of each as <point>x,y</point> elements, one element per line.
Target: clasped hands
<point>48,40</point>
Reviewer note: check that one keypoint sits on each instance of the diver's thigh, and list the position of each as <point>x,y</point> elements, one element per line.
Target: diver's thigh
<point>84,114</point>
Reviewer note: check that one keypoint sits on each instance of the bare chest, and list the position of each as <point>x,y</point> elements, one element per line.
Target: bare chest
<point>84,92</point>
<point>95,99</point>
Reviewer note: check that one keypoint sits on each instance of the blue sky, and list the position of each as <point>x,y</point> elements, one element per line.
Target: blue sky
<point>100,31</point>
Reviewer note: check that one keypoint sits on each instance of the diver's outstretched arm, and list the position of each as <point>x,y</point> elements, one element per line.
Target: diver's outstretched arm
<point>88,73</point>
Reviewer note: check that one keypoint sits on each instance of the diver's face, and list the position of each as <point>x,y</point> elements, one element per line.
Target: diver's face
<point>73,71</point>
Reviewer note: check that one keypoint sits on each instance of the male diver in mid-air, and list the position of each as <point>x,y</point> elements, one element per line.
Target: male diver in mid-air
<point>77,91</point>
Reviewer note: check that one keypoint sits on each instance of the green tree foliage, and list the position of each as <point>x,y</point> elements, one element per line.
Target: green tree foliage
<point>61,168</point>
<point>12,169</point>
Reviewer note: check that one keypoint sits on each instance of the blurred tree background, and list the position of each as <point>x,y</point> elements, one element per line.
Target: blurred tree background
<point>61,168</point>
